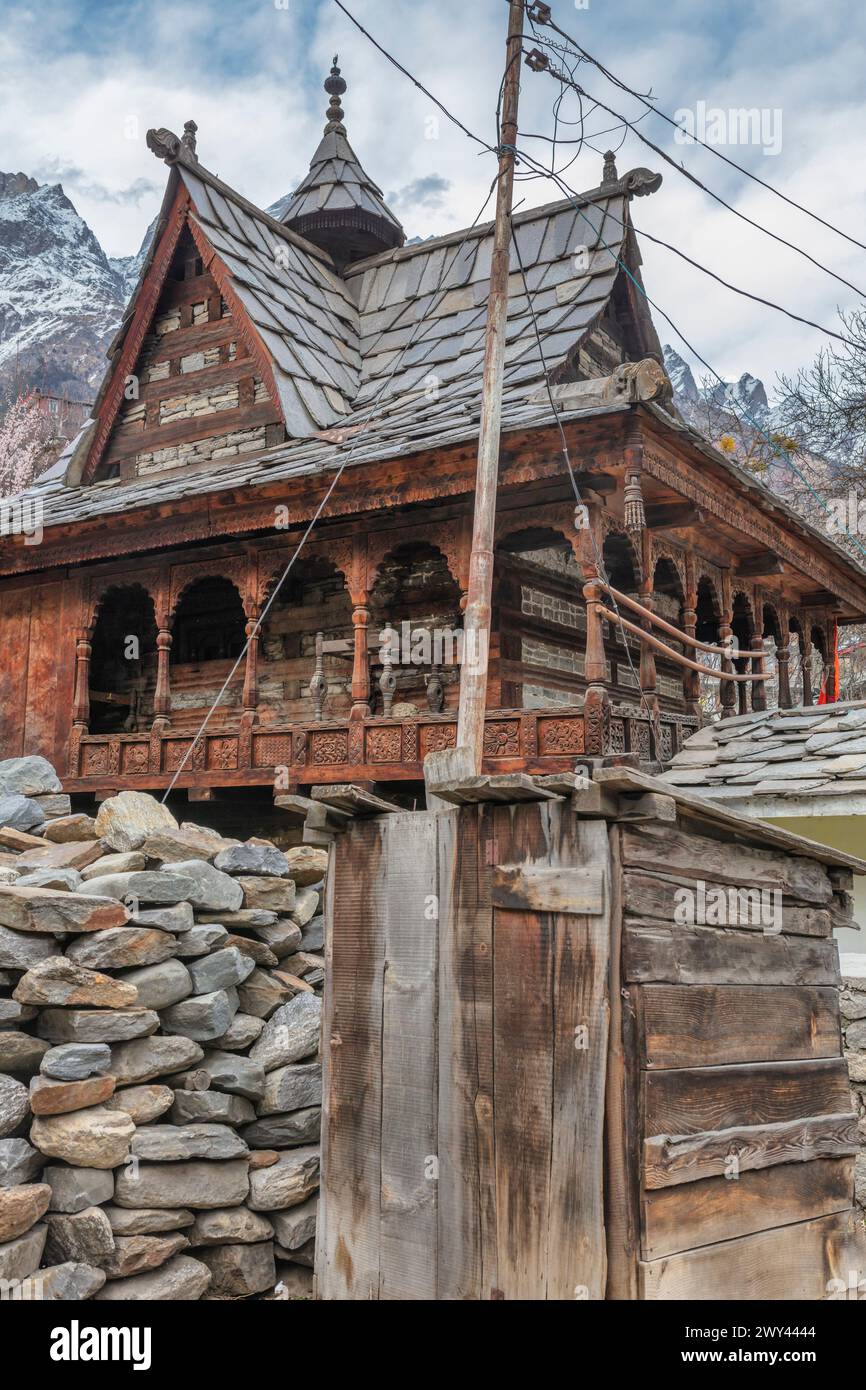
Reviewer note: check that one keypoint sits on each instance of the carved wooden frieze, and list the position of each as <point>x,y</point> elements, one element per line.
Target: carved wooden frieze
<point>749,521</point>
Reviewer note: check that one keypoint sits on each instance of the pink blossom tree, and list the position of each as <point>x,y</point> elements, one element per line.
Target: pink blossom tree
<point>25,440</point>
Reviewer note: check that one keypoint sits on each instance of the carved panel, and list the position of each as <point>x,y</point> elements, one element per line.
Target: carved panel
<point>136,758</point>
<point>174,750</point>
<point>94,761</point>
<point>640,738</point>
<point>272,750</point>
<point>383,745</point>
<point>356,742</point>
<point>435,737</point>
<point>410,743</point>
<point>502,738</point>
<point>666,737</point>
<point>616,736</point>
<point>561,736</point>
<point>114,755</point>
<point>222,753</point>
<point>329,749</point>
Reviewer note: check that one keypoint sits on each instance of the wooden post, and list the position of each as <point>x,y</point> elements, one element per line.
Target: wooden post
<point>647,672</point>
<point>360,664</point>
<point>596,705</point>
<point>81,698</point>
<point>727,689</point>
<point>783,654</point>
<point>250,698</point>
<point>691,679</point>
<point>759,689</point>
<point>473,686</point>
<point>806,659</point>
<point>162,693</point>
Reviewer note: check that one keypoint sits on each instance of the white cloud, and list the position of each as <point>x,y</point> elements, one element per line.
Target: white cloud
<point>79,94</point>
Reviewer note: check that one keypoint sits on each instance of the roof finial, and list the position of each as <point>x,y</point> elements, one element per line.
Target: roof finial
<point>188,138</point>
<point>609,174</point>
<point>335,86</point>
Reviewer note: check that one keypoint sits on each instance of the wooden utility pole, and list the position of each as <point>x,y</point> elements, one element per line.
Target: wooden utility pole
<point>465,760</point>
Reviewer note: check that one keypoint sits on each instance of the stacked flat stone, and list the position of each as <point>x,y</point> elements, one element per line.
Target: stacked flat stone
<point>853,1009</point>
<point>160,1079</point>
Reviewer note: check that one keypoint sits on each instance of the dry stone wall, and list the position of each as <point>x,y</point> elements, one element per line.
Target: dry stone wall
<point>160,1080</point>
<point>853,1006</point>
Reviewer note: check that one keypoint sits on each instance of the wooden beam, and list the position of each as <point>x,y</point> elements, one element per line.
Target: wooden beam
<point>760,563</point>
<point>661,514</point>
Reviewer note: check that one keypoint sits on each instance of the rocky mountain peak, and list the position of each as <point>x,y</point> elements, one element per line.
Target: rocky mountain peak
<point>13,184</point>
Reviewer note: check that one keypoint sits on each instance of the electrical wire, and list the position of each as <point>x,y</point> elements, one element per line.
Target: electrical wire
<point>693,178</point>
<point>651,107</point>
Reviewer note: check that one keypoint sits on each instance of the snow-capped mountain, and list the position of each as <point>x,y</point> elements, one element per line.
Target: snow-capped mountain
<point>746,399</point>
<point>61,299</point>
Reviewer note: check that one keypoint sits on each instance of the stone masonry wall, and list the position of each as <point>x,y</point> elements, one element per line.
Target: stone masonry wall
<point>853,1003</point>
<point>160,1083</point>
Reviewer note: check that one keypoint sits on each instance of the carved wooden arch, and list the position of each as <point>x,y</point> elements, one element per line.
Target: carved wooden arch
<point>448,541</point>
<point>769,601</point>
<point>663,550</point>
<point>557,516</point>
<point>612,525</point>
<point>99,589</point>
<point>748,593</point>
<point>235,570</point>
<point>340,554</point>
<point>703,575</point>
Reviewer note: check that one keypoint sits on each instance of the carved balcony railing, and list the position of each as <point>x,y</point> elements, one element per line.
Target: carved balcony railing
<point>375,750</point>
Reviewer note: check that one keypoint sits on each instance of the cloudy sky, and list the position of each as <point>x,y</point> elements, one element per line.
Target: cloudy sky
<point>82,80</point>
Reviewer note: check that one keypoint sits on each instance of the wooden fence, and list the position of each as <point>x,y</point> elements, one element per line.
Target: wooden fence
<point>545,1080</point>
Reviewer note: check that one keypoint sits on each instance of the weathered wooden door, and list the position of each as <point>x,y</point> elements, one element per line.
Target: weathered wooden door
<point>465,1039</point>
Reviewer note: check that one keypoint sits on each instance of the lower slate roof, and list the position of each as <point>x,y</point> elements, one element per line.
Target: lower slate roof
<point>814,751</point>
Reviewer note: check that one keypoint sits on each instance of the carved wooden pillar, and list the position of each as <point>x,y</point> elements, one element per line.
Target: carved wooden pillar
<point>691,679</point>
<point>81,697</point>
<point>648,676</point>
<point>596,705</point>
<point>727,689</point>
<point>759,689</point>
<point>250,698</point>
<point>360,663</point>
<point>783,652</point>
<point>806,658</point>
<point>832,648</point>
<point>162,693</point>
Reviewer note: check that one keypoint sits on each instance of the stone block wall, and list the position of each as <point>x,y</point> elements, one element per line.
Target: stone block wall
<point>853,1004</point>
<point>160,1081</point>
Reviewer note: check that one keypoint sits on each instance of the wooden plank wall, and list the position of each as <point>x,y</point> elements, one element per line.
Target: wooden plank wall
<point>37,668</point>
<point>743,1137</point>
<point>465,1040</point>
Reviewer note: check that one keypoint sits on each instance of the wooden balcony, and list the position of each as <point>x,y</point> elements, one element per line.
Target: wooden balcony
<point>364,750</point>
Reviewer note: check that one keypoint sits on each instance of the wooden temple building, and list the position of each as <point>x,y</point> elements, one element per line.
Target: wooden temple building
<point>256,358</point>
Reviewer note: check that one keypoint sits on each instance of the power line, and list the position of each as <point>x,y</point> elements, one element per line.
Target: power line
<point>414,80</point>
<point>783,455</point>
<point>651,107</point>
<point>570,192</point>
<point>693,178</point>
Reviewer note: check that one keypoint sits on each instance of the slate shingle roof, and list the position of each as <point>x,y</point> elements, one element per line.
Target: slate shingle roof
<point>394,346</point>
<point>813,751</point>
